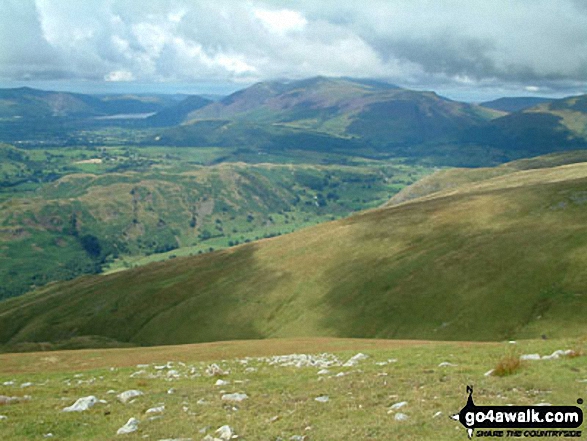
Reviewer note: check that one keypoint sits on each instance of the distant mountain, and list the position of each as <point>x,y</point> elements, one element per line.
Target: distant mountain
<point>26,104</point>
<point>177,113</point>
<point>499,256</point>
<point>552,126</point>
<point>372,111</point>
<point>514,104</point>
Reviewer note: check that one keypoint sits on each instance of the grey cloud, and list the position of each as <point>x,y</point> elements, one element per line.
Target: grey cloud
<point>414,42</point>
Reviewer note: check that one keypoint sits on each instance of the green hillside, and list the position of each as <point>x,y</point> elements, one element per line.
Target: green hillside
<point>498,259</point>
<point>73,211</point>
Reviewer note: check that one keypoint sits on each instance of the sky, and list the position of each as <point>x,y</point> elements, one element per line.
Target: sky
<point>471,50</point>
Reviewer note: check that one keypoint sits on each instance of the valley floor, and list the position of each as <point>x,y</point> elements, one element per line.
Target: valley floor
<point>289,389</point>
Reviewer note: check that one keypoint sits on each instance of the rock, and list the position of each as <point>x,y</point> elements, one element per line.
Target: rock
<point>8,383</point>
<point>214,371</point>
<point>322,399</point>
<point>323,372</point>
<point>354,360</point>
<point>400,417</point>
<point>132,425</point>
<point>298,438</point>
<point>28,384</point>
<point>558,354</point>
<point>530,357</point>
<point>171,391</point>
<point>237,397</point>
<point>158,409</point>
<point>225,432</point>
<point>48,435</point>
<point>176,439</point>
<point>222,383</point>
<point>3,417</point>
<point>437,414</point>
<point>399,405</point>
<point>82,404</point>
<point>129,395</point>
<point>447,364</point>
<point>489,373</point>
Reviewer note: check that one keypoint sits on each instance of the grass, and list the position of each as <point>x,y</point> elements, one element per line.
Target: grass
<point>281,399</point>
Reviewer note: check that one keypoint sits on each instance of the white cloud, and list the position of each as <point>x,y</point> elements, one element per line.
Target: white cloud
<point>119,75</point>
<point>282,21</point>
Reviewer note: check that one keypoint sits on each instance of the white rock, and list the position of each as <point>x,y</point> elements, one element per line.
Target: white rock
<point>354,360</point>
<point>111,392</point>
<point>322,399</point>
<point>82,404</point>
<point>437,414</point>
<point>3,417</point>
<point>447,364</point>
<point>131,425</point>
<point>323,372</point>
<point>221,383</point>
<point>557,354</point>
<point>225,432</point>
<point>214,370</point>
<point>128,395</point>
<point>48,435</point>
<point>157,409</point>
<point>237,397</point>
<point>489,373</point>
<point>400,417</point>
<point>176,439</point>
<point>171,391</point>
<point>340,374</point>
<point>142,366</point>
<point>8,383</point>
<point>28,384</point>
<point>543,404</point>
<point>530,357</point>
<point>399,405</point>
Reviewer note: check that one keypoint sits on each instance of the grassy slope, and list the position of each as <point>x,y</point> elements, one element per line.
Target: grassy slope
<point>281,399</point>
<point>502,259</point>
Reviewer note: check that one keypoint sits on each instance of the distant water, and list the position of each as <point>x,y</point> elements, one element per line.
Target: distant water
<point>128,116</point>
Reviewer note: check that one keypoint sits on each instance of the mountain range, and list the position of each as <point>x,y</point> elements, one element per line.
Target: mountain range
<point>323,114</point>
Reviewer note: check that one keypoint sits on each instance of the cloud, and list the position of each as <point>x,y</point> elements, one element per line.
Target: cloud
<point>417,42</point>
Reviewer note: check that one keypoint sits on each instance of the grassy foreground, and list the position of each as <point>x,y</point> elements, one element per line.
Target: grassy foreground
<point>281,399</point>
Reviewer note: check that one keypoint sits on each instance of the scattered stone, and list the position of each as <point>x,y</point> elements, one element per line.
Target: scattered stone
<point>176,439</point>
<point>437,414</point>
<point>322,399</point>
<point>222,383</point>
<point>157,409</point>
<point>323,372</point>
<point>201,401</point>
<point>530,357</point>
<point>132,425</point>
<point>225,432</point>
<point>354,360</point>
<point>340,374</point>
<point>400,417</point>
<point>8,383</point>
<point>237,397</point>
<point>129,395</point>
<point>543,404</point>
<point>3,417</point>
<point>171,391</point>
<point>489,373</point>
<point>142,366</point>
<point>82,404</point>
<point>298,438</point>
<point>447,364</point>
<point>215,371</point>
<point>250,370</point>
<point>273,419</point>
<point>28,384</point>
<point>111,392</point>
<point>48,435</point>
<point>303,360</point>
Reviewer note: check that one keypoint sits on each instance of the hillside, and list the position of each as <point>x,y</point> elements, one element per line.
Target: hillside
<point>552,126</point>
<point>73,211</point>
<point>514,104</point>
<point>499,259</point>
